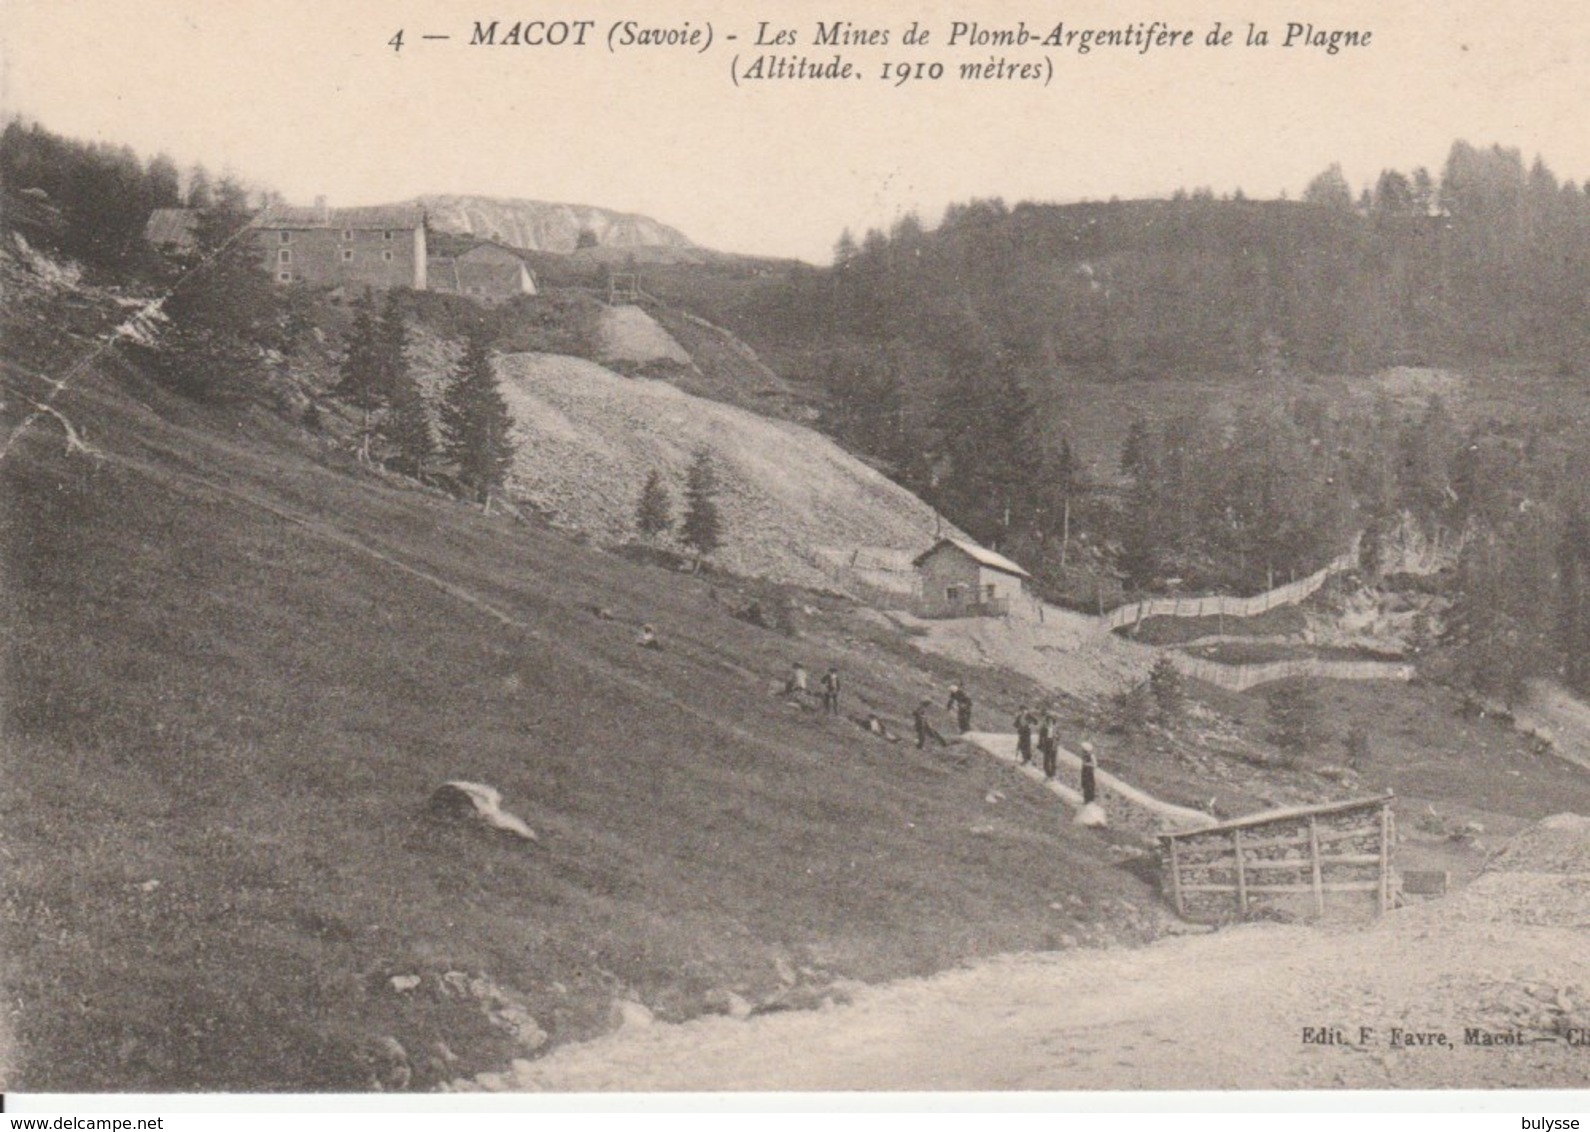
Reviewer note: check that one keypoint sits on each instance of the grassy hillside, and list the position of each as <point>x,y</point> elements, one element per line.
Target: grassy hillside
<point>237,666</point>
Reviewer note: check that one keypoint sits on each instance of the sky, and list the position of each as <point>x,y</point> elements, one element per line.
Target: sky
<point>310,99</point>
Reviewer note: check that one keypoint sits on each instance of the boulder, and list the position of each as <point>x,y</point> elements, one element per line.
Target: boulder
<point>1092,814</point>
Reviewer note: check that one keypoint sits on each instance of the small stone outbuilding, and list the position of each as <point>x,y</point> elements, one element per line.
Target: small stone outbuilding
<point>961,579</point>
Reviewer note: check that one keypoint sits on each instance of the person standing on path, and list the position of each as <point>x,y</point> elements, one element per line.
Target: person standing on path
<point>796,684</point>
<point>831,690</point>
<point>961,703</point>
<point>1090,766</point>
<point>1048,744</point>
<point>1024,735</point>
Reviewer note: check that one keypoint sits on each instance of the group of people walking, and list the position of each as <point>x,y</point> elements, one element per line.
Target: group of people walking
<point>798,685</point>
<point>1031,725</point>
<point>1045,728</point>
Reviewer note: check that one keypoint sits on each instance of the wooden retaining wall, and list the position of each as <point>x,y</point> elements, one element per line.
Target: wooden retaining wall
<point>1306,863</point>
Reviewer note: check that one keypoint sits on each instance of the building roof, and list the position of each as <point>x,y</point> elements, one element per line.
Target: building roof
<point>979,554</point>
<point>489,251</point>
<point>172,226</point>
<point>363,219</point>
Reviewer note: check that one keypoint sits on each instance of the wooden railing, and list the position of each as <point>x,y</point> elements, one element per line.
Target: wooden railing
<point>1222,605</point>
<point>1295,863</point>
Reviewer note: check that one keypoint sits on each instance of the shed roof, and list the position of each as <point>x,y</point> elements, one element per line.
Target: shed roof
<point>979,554</point>
<point>489,251</point>
<point>362,219</point>
<point>171,226</point>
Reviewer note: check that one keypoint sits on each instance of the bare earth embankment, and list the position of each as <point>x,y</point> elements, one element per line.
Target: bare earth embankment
<point>589,437</point>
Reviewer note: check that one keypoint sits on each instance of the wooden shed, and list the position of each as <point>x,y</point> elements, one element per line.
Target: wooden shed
<point>1307,862</point>
<point>962,579</point>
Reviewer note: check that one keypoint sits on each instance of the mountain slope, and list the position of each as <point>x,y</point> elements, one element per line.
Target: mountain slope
<point>237,665</point>
<point>545,226</point>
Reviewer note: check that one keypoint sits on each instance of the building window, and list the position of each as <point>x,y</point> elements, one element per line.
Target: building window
<point>347,233</point>
<point>988,592</point>
<point>387,256</point>
<point>286,237</point>
<point>284,256</point>
<point>284,276</point>
<point>387,235</point>
<point>347,255</point>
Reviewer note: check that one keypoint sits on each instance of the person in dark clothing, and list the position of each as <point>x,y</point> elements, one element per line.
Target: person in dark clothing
<point>1090,766</point>
<point>831,690</point>
<point>961,704</point>
<point>1048,744</point>
<point>1024,736</point>
<point>925,729</point>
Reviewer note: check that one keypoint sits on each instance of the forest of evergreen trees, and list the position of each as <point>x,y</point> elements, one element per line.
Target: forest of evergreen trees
<point>105,193</point>
<point>1491,260</point>
<point>942,354</point>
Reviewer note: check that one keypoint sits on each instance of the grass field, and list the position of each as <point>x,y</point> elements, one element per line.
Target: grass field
<point>237,667</point>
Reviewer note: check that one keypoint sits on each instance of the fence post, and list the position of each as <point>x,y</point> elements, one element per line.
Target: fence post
<point>1385,858</point>
<point>1313,852</point>
<point>1175,879</point>
<point>1242,873</point>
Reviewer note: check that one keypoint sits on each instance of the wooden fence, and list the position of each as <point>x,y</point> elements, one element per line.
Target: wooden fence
<point>1306,862</point>
<point>1221,605</point>
<point>1241,677</point>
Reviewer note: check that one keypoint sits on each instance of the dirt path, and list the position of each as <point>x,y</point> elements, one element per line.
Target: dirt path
<point>1003,747</point>
<point>1221,1011</point>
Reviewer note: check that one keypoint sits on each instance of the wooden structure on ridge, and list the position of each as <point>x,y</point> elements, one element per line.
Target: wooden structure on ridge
<point>623,288</point>
<point>1301,863</point>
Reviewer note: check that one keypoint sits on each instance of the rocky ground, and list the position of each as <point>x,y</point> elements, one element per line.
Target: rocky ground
<point>589,437</point>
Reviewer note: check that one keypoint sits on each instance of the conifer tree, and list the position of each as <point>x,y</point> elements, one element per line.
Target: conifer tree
<point>224,312</point>
<point>407,428</point>
<point>702,529</point>
<point>476,423</point>
<point>361,384</point>
<point>654,514</point>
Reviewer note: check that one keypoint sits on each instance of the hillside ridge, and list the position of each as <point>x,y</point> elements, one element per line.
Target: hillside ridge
<point>547,226</point>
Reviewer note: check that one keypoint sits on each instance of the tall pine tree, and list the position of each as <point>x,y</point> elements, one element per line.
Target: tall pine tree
<point>654,514</point>
<point>703,529</point>
<point>224,312</point>
<point>407,427</point>
<point>476,423</point>
<point>362,384</point>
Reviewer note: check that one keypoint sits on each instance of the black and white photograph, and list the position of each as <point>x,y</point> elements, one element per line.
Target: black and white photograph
<point>955,549</point>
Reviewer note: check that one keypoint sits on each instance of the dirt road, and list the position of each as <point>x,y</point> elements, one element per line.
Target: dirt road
<point>1226,1010</point>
